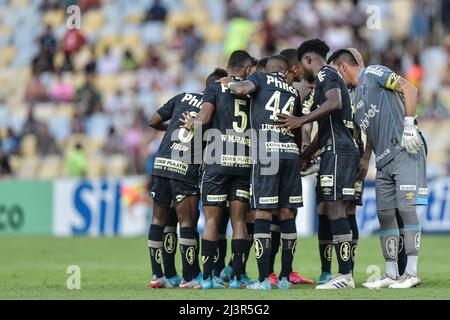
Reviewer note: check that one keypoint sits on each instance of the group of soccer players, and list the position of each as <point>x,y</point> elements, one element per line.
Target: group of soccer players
<point>242,147</point>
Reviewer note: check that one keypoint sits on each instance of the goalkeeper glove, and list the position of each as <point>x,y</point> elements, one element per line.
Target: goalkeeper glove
<point>411,140</point>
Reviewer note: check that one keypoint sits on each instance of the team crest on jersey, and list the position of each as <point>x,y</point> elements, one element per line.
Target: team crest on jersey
<point>391,247</point>
<point>327,252</point>
<point>169,242</point>
<point>190,254</point>
<point>259,249</point>
<point>321,75</point>
<point>345,251</point>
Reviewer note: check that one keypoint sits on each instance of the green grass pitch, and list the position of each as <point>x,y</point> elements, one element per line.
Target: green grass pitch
<point>114,268</point>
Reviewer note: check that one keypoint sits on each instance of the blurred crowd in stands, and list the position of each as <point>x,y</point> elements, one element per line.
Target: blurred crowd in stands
<point>76,102</point>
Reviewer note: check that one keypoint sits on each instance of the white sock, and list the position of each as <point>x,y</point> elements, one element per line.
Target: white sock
<point>392,269</point>
<point>411,265</point>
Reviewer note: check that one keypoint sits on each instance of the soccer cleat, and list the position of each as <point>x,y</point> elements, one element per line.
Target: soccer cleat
<point>273,279</point>
<point>296,278</point>
<point>206,284</point>
<point>236,284</point>
<point>218,283</point>
<point>339,281</point>
<point>193,284</point>
<point>173,282</point>
<point>265,285</point>
<point>284,284</point>
<point>156,282</point>
<point>406,281</point>
<point>324,278</point>
<point>246,280</point>
<point>225,274</point>
<point>379,282</point>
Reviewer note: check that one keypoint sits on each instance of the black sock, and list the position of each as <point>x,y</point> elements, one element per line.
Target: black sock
<point>155,244</point>
<point>263,247</point>
<point>342,238</point>
<point>187,248</point>
<point>170,244</point>
<point>402,258</point>
<point>197,252</point>
<point>209,250</point>
<point>238,246</point>
<point>250,231</point>
<point>289,238</point>
<point>355,236</point>
<point>325,243</point>
<point>275,236</point>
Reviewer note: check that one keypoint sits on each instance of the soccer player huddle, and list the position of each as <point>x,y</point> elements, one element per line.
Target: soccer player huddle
<point>241,147</point>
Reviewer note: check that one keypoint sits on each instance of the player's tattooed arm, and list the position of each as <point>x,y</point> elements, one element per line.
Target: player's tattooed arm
<point>157,123</point>
<point>202,118</point>
<point>332,103</point>
<point>410,93</point>
<point>239,88</point>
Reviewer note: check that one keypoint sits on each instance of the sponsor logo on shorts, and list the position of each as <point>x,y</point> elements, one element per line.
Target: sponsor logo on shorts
<point>169,242</point>
<point>296,199</point>
<point>358,186</point>
<point>326,191</point>
<point>417,241</point>
<point>179,197</point>
<point>268,200</point>
<point>259,249</point>
<point>190,254</point>
<point>348,191</point>
<point>218,197</point>
<point>391,247</point>
<point>327,252</point>
<point>326,181</point>
<point>243,194</point>
<point>410,196</point>
<point>423,191</point>
<point>344,251</point>
<point>407,187</point>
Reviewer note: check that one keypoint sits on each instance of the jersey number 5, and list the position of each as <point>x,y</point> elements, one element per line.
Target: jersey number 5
<point>273,105</point>
<point>240,113</point>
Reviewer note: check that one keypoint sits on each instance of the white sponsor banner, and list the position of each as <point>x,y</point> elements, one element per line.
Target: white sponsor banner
<point>100,207</point>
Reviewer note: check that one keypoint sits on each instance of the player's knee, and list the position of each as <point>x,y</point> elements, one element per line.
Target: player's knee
<point>286,214</point>
<point>387,219</point>
<point>408,214</point>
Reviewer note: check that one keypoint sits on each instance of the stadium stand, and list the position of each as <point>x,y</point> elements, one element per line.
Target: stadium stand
<point>97,86</point>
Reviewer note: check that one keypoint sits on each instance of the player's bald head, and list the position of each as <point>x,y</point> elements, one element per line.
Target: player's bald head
<point>277,63</point>
<point>350,56</point>
<point>358,57</point>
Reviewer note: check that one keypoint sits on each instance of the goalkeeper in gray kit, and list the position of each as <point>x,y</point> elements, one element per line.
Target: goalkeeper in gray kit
<point>385,109</point>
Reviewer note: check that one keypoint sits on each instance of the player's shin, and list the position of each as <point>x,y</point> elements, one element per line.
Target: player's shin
<point>187,249</point>
<point>389,239</point>
<point>238,247</point>
<point>402,259</point>
<point>219,262</point>
<point>342,238</point>
<point>250,231</point>
<point>412,234</point>
<point>275,236</point>
<point>263,246</point>
<point>325,243</point>
<point>155,244</point>
<point>209,250</point>
<point>170,244</point>
<point>289,242</point>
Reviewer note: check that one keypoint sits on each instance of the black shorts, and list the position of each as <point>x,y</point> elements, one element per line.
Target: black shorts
<point>218,188</point>
<point>165,190</point>
<point>279,189</point>
<point>337,176</point>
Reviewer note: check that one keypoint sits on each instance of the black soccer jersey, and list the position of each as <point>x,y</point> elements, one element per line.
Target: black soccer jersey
<point>336,129</point>
<point>177,158</point>
<point>228,139</point>
<point>273,95</point>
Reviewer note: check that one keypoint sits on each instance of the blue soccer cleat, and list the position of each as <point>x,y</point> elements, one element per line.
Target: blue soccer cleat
<point>324,278</point>
<point>218,283</point>
<point>236,284</point>
<point>265,285</point>
<point>225,274</point>
<point>284,284</point>
<point>173,282</point>
<point>246,280</point>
